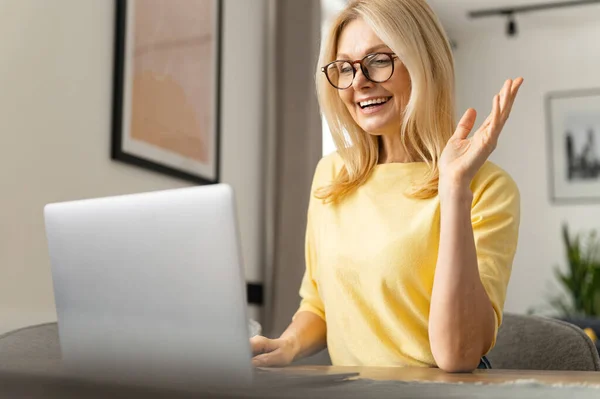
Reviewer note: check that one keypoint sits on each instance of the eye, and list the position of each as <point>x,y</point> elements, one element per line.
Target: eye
<point>378,61</point>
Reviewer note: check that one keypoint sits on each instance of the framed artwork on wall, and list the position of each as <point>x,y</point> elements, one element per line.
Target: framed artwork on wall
<point>573,124</point>
<point>166,87</point>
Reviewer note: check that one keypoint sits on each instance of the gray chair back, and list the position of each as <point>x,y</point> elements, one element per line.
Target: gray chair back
<point>31,349</point>
<point>530,343</point>
<point>540,343</point>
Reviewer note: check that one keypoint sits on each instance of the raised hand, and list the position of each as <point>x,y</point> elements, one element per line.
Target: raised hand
<point>463,156</point>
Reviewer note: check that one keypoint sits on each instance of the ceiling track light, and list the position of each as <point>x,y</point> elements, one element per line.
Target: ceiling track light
<point>510,12</point>
<point>511,25</point>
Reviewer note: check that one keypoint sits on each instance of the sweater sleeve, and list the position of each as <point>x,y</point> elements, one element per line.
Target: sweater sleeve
<point>495,217</point>
<point>309,290</point>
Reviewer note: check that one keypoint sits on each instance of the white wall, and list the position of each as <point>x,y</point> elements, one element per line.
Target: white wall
<point>563,55</point>
<point>243,122</point>
<point>55,97</point>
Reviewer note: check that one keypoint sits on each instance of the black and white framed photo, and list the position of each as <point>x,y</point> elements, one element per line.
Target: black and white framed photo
<point>166,87</point>
<point>574,145</point>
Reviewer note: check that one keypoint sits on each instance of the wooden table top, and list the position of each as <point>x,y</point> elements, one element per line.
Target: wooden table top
<point>580,385</point>
<point>478,376</point>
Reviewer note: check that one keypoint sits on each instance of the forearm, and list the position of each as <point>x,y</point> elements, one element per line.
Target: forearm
<point>307,334</point>
<point>461,321</point>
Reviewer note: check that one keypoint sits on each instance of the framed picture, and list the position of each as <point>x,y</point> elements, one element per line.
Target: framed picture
<point>166,87</point>
<point>574,145</point>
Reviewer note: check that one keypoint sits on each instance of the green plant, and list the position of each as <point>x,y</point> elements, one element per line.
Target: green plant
<point>582,278</point>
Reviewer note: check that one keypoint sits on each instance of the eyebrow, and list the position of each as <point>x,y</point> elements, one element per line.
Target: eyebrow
<point>369,51</point>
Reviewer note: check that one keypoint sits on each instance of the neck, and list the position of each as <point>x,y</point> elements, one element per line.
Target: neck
<point>391,150</point>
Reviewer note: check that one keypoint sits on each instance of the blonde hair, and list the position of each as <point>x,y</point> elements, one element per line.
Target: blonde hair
<point>413,32</point>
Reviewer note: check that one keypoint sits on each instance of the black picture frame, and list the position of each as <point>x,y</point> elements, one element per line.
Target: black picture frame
<point>570,115</point>
<point>118,152</point>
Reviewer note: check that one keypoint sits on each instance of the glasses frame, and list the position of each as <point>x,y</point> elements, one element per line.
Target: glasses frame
<point>363,69</point>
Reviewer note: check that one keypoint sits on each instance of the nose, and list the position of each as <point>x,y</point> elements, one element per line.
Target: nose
<point>360,81</point>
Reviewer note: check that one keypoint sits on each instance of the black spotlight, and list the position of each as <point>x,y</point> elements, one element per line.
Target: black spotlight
<point>511,26</point>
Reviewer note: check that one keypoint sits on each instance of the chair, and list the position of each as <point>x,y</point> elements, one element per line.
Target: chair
<point>31,349</point>
<point>540,343</point>
<point>530,343</point>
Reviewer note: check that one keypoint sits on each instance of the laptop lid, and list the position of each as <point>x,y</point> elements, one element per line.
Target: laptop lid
<point>149,287</point>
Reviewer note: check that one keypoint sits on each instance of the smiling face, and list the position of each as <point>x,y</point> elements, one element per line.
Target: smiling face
<point>376,107</point>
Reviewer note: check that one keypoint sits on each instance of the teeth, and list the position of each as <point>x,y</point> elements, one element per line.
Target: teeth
<point>373,101</point>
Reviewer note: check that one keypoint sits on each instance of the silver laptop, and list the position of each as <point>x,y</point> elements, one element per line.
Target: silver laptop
<point>150,288</point>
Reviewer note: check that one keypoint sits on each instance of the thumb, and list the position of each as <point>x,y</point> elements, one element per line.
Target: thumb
<point>465,125</point>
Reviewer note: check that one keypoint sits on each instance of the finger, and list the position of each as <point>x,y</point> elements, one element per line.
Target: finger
<point>496,109</point>
<point>516,86</point>
<point>496,117</point>
<point>489,136</point>
<point>492,120</point>
<point>261,360</point>
<point>465,125</point>
<point>505,96</point>
<point>486,122</point>
<point>257,344</point>
<point>272,359</point>
<point>261,344</point>
<point>513,95</point>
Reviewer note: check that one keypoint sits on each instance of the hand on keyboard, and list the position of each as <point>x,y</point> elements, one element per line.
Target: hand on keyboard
<point>272,352</point>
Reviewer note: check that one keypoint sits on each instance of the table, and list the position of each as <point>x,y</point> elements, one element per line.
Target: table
<point>29,364</point>
<point>372,382</point>
<point>417,374</point>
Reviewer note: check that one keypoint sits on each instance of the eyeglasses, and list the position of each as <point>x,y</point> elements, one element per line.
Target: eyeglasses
<point>377,67</point>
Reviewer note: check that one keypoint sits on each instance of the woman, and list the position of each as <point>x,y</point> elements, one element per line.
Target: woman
<point>411,232</point>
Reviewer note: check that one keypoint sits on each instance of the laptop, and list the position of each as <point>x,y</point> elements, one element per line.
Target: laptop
<point>150,289</point>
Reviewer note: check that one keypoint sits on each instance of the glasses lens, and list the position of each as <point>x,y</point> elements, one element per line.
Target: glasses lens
<point>379,67</point>
<point>340,74</point>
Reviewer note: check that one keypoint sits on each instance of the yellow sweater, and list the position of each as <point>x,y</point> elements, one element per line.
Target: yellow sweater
<point>370,260</point>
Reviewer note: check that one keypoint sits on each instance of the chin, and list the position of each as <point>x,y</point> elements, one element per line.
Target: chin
<point>373,132</point>
<point>377,129</point>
